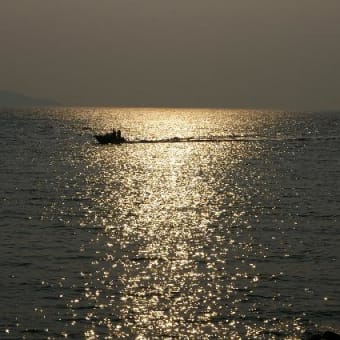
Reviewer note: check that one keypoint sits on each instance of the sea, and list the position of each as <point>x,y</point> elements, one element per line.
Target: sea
<point>208,224</point>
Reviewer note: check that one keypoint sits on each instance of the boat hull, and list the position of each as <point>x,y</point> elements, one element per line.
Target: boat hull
<point>109,139</point>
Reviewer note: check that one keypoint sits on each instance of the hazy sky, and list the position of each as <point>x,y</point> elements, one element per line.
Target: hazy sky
<point>242,53</point>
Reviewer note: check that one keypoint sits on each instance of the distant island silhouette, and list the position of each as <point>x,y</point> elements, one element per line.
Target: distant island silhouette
<point>12,99</point>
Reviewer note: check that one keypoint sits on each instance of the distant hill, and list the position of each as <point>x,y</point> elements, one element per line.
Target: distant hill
<point>9,99</point>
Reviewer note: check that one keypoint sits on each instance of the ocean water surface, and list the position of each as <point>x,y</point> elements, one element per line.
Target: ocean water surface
<point>225,226</point>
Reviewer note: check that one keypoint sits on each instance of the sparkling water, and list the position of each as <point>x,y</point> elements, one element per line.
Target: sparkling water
<point>209,223</point>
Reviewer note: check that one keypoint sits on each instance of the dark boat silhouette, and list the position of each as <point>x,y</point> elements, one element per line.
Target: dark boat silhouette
<point>110,138</point>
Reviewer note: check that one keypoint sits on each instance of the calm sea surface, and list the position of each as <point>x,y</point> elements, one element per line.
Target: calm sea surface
<point>235,237</point>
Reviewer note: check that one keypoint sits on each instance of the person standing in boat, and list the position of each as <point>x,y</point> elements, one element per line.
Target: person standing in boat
<point>114,133</point>
<point>119,135</point>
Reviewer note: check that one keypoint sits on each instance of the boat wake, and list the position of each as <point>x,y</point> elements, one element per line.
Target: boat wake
<point>233,138</point>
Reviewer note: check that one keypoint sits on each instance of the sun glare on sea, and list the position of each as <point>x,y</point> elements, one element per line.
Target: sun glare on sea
<point>174,237</point>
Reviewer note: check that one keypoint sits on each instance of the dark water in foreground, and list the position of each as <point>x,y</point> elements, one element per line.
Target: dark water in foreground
<point>236,237</point>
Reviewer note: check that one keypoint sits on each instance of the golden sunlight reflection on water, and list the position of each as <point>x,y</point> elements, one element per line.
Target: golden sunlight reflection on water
<point>234,236</point>
<point>177,256</point>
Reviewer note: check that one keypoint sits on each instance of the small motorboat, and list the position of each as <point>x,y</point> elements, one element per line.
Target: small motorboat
<point>110,138</point>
